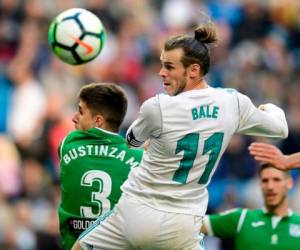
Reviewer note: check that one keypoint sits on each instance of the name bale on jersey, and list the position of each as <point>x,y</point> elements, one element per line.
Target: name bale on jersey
<point>99,150</point>
<point>207,111</point>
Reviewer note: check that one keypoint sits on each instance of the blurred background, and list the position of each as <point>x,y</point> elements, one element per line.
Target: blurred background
<point>258,54</point>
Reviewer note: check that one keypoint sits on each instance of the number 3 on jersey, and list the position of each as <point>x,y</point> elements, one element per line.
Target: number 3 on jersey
<point>100,197</point>
<point>189,146</point>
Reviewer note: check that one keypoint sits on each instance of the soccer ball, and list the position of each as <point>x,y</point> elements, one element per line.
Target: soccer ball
<point>76,36</point>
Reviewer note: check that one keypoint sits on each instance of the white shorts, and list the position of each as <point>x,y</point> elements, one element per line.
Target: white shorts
<point>134,225</point>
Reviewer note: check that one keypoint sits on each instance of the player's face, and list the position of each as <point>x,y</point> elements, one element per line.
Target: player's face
<point>172,71</point>
<point>275,185</point>
<point>83,118</point>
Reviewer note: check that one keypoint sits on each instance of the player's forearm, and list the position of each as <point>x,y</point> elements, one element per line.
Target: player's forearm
<point>293,161</point>
<point>203,229</point>
<point>206,226</point>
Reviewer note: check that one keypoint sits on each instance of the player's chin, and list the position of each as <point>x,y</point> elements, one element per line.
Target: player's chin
<point>168,89</point>
<point>272,202</point>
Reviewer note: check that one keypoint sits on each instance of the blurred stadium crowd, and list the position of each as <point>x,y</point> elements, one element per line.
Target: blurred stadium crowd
<point>258,54</point>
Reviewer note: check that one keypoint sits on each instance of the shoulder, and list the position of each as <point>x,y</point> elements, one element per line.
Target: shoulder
<point>230,92</point>
<point>226,91</point>
<point>296,217</point>
<point>255,213</point>
<point>235,212</point>
<point>66,141</point>
<point>73,135</point>
<point>151,106</point>
<point>228,95</point>
<point>155,100</point>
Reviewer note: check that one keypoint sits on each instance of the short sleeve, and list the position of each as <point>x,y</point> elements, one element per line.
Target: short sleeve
<point>60,148</point>
<point>224,225</point>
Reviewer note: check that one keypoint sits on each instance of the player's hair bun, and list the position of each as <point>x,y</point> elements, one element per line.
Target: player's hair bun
<point>206,33</point>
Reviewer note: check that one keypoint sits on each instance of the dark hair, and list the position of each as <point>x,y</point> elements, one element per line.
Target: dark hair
<point>107,99</point>
<point>266,165</point>
<point>194,48</point>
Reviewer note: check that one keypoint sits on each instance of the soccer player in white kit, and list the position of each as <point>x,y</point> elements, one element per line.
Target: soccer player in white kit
<point>189,128</point>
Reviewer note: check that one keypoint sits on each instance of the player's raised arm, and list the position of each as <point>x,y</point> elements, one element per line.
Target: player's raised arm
<point>269,153</point>
<point>268,120</point>
<point>148,124</point>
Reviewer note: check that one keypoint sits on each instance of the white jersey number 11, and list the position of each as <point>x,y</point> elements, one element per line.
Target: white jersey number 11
<point>189,146</point>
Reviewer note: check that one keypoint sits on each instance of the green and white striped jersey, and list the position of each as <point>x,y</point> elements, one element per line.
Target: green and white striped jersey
<point>188,134</point>
<point>93,166</point>
<point>256,229</point>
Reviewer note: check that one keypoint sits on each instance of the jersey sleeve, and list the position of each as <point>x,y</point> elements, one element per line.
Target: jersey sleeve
<point>224,225</point>
<point>148,124</point>
<point>60,148</point>
<point>59,151</point>
<point>270,122</point>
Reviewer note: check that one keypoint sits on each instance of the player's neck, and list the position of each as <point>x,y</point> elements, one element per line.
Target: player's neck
<point>281,211</point>
<point>200,84</point>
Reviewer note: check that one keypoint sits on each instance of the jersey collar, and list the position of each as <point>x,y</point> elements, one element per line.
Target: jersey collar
<point>290,211</point>
<point>106,131</point>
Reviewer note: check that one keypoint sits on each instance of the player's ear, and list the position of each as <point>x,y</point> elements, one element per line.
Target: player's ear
<point>194,70</point>
<point>99,121</point>
<point>290,183</point>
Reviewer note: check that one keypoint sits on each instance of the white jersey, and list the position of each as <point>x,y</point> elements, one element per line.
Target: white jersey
<point>188,134</point>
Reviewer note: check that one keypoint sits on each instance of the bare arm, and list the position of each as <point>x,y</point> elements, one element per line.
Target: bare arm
<point>271,154</point>
<point>206,227</point>
<point>203,229</point>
